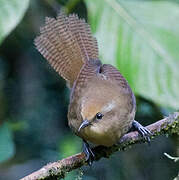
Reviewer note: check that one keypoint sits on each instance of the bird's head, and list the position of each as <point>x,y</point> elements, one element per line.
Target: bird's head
<point>97,112</point>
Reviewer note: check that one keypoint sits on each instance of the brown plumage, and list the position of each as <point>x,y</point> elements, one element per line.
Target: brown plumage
<point>99,86</point>
<point>102,105</point>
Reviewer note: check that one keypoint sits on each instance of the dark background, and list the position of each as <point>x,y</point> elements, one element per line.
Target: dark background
<point>34,102</point>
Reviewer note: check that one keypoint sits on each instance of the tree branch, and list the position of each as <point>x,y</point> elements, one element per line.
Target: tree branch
<point>56,170</point>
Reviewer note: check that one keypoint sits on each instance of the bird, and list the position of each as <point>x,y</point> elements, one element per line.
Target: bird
<point>102,105</point>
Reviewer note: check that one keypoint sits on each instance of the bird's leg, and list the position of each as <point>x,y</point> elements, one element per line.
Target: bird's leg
<point>144,132</point>
<point>88,152</point>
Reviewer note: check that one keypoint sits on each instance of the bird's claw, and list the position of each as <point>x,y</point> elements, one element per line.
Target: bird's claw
<point>144,132</point>
<point>88,152</point>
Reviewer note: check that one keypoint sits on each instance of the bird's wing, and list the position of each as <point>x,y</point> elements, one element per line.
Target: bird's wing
<point>89,70</point>
<point>113,74</point>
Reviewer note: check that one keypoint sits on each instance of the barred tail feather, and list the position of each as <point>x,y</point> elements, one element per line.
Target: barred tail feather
<point>67,43</point>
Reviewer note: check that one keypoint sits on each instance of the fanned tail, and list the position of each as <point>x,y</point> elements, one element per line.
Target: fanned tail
<point>67,43</point>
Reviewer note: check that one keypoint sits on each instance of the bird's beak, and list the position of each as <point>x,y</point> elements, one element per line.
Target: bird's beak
<point>83,125</point>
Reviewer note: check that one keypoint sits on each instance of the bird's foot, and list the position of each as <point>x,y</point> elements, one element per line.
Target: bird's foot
<point>88,152</point>
<point>144,132</point>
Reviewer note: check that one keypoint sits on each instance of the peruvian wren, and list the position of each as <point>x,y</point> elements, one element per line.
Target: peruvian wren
<point>102,105</point>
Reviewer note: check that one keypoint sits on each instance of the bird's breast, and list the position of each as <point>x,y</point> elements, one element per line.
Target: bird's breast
<point>98,136</point>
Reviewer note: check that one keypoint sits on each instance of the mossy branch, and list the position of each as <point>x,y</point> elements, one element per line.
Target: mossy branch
<point>57,170</point>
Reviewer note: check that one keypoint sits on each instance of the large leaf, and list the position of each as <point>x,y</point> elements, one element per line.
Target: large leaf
<point>11,12</point>
<point>141,38</point>
<point>6,143</point>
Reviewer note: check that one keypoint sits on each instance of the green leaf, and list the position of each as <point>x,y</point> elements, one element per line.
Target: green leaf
<point>11,13</point>
<point>6,143</point>
<point>141,38</point>
<point>69,146</point>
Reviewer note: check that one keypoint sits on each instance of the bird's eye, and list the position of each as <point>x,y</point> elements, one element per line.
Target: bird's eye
<point>99,115</point>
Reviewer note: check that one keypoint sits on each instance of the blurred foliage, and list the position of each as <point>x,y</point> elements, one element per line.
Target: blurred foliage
<point>11,13</point>
<point>34,99</point>
<point>6,143</point>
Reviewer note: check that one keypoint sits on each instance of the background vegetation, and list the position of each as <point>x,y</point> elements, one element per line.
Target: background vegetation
<point>141,38</point>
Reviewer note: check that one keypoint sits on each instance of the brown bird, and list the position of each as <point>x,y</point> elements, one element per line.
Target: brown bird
<point>102,105</point>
